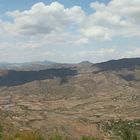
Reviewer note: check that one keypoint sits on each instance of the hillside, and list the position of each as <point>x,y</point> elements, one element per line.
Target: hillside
<point>71,99</point>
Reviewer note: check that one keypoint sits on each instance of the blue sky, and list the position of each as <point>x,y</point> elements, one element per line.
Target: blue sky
<point>69,30</point>
<point>7,5</point>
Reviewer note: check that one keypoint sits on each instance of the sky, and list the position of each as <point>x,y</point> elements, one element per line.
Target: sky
<point>69,31</point>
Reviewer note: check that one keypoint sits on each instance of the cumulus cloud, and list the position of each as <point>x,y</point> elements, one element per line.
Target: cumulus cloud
<point>96,32</point>
<point>117,18</point>
<point>44,19</point>
<point>127,8</point>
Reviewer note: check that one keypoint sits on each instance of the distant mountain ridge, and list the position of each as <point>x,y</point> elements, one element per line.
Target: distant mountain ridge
<point>20,73</point>
<point>27,66</point>
<point>41,65</point>
<point>118,64</point>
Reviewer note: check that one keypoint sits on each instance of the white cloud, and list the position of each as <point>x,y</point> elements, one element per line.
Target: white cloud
<point>54,26</point>
<point>50,40</point>
<point>98,53</point>
<point>81,41</point>
<point>133,53</point>
<point>44,19</point>
<point>117,18</point>
<point>4,45</point>
<point>121,17</point>
<point>96,32</point>
<point>127,8</point>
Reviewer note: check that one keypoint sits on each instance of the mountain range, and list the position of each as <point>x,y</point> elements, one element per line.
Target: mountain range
<point>72,99</point>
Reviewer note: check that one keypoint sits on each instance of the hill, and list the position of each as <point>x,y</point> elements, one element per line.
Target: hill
<point>71,99</point>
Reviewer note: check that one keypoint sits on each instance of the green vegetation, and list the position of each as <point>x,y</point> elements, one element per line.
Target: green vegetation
<point>35,135</point>
<point>123,130</point>
<point>56,137</point>
<point>25,135</point>
<point>88,138</point>
<point>1,129</point>
<point>59,137</point>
